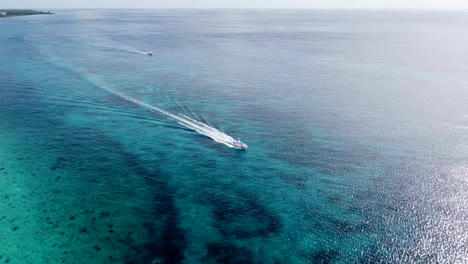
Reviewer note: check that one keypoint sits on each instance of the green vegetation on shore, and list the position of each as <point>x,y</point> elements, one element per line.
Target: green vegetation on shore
<point>20,12</point>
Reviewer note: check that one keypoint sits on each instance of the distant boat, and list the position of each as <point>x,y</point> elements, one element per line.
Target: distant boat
<point>149,53</point>
<point>239,144</point>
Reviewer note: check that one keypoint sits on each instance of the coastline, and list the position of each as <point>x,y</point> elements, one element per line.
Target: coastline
<point>20,12</point>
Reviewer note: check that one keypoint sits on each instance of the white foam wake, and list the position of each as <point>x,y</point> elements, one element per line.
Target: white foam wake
<point>183,120</point>
<point>115,49</point>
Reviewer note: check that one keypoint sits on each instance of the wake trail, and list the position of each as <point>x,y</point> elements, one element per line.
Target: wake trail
<point>113,49</point>
<point>183,120</point>
<point>96,47</point>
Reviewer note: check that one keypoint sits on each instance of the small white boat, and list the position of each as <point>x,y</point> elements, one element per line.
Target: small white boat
<point>149,53</point>
<point>239,144</point>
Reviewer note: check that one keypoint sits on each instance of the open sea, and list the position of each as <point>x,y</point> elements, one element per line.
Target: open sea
<point>356,121</point>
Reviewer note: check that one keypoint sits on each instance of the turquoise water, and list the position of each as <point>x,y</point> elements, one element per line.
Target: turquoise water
<point>357,125</point>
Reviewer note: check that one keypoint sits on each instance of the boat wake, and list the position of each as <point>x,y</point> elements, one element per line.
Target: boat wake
<point>183,120</point>
<point>86,43</point>
<point>113,49</point>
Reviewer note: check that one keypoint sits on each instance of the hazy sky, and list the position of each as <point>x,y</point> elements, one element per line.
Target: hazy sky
<point>445,4</point>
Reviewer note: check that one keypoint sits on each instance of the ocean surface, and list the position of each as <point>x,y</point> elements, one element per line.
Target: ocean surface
<point>356,121</point>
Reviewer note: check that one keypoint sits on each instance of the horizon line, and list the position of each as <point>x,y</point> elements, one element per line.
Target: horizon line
<point>243,8</point>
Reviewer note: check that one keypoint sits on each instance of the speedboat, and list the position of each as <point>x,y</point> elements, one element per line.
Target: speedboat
<point>149,53</point>
<point>239,144</point>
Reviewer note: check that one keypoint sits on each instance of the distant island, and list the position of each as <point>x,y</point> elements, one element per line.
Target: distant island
<point>19,12</point>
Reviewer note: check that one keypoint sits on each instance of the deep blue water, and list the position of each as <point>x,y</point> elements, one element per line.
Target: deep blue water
<point>357,123</point>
